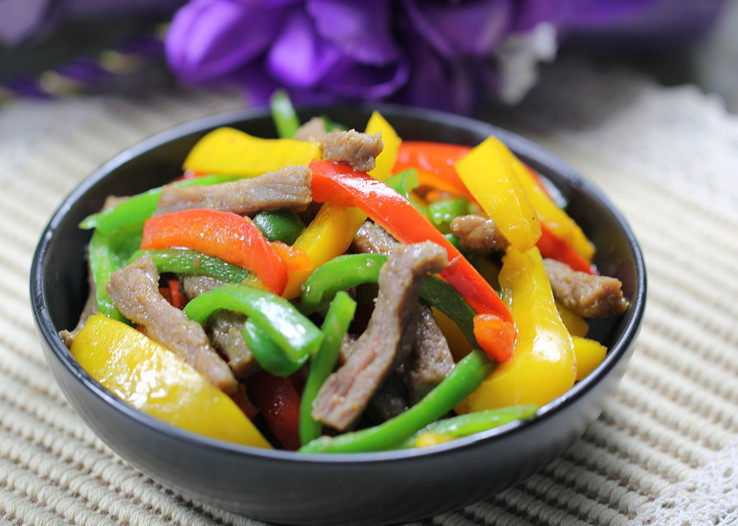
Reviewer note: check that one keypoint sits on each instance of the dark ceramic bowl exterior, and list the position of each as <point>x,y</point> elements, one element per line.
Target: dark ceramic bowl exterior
<point>366,488</point>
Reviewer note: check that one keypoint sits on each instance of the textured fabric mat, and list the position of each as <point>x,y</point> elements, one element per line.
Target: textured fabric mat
<point>665,449</point>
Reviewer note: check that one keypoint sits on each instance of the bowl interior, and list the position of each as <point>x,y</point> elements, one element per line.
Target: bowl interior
<point>59,265</point>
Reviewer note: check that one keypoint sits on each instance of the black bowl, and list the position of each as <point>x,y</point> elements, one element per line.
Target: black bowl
<point>365,488</point>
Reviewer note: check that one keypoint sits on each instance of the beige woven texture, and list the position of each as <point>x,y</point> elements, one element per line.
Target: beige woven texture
<point>665,447</point>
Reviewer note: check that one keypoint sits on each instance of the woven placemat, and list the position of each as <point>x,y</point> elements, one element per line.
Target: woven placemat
<point>665,446</point>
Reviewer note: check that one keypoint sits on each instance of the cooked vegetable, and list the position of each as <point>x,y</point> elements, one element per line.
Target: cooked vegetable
<point>232,152</point>
<point>184,261</point>
<point>435,164</point>
<point>589,354</point>
<point>465,425</point>
<point>270,356</point>
<point>336,323</point>
<point>133,212</point>
<point>551,246</point>
<point>281,225</point>
<point>151,378</point>
<point>289,329</point>
<point>283,113</point>
<point>446,210</point>
<point>224,235</point>
<point>543,365</point>
<point>107,254</point>
<point>464,378</point>
<point>404,183</point>
<point>279,402</point>
<point>348,271</point>
<point>488,174</point>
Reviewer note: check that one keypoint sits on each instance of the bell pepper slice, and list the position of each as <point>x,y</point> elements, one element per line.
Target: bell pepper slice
<point>350,270</point>
<point>283,114</point>
<point>154,380</point>
<point>554,218</point>
<point>333,229</point>
<point>233,152</point>
<point>488,174</point>
<point>465,425</point>
<point>279,402</point>
<point>543,365</point>
<point>280,225</point>
<point>183,261</point>
<point>270,356</point>
<point>435,164</point>
<point>335,326</point>
<point>289,329</point>
<point>574,323</point>
<point>552,246</point>
<point>230,237</point>
<point>344,186</point>
<point>178,299</point>
<point>461,381</point>
<point>589,353</point>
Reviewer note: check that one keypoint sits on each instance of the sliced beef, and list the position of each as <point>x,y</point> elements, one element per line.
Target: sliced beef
<point>225,328</point>
<point>373,239</point>
<point>313,130</point>
<point>346,393</point>
<point>431,359</point>
<point>285,188</point>
<point>135,291</point>
<point>478,234</point>
<point>587,295</point>
<point>351,147</point>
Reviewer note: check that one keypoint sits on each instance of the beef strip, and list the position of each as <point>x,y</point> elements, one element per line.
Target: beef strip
<point>587,295</point>
<point>351,147</point>
<point>285,188</point>
<point>430,359</point>
<point>312,130</point>
<point>373,239</point>
<point>478,234</point>
<point>135,291</point>
<point>346,393</point>
<point>225,328</point>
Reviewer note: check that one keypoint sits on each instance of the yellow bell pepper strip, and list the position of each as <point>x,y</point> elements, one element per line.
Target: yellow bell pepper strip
<point>342,185</point>
<point>557,221</point>
<point>543,365</point>
<point>331,232</point>
<point>233,152</point>
<point>574,323</point>
<point>386,159</point>
<point>225,235</point>
<point>488,174</point>
<point>152,379</point>
<point>589,353</point>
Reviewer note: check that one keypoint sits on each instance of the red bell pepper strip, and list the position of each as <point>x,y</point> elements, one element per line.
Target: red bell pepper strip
<point>494,334</point>
<point>178,299</point>
<point>279,402</point>
<point>225,235</point>
<point>343,186</point>
<point>552,246</point>
<point>435,164</point>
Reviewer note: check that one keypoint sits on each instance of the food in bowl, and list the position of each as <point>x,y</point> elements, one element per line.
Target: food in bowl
<point>337,291</point>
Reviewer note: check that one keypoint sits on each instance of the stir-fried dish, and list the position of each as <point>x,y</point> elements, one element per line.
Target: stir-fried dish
<point>341,291</point>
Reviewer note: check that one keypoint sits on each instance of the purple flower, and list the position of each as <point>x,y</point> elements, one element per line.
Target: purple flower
<point>447,54</point>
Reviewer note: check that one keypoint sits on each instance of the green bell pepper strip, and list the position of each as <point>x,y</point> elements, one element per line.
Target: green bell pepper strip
<point>405,182</point>
<point>267,353</point>
<point>135,211</point>
<point>344,272</point>
<point>444,211</point>
<point>185,261</point>
<point>469,424</point>
<point>283,114</point>
<point>293,332</point>
<point>465,377</point>
<point>335,325</point>
<point>106,255</point>
<point>281,225</point>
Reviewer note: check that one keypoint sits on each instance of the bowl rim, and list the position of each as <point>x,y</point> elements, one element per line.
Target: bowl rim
<point>520,145</point>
